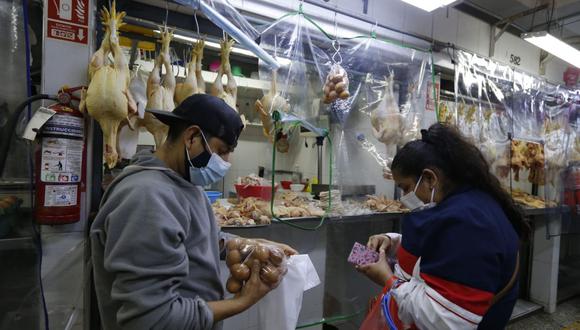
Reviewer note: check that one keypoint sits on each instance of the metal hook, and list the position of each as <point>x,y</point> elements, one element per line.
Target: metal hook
<point>196,24</point>
<point>336,57</point>
<point>374,29</point>
<point>166,14</point>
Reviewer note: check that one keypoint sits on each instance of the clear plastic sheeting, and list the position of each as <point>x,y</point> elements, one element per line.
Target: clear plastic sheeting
<point>524,126</point>
<point>227,10</point>
<point>295,42</point>
<point>386,109</point>
<point>13,92</point>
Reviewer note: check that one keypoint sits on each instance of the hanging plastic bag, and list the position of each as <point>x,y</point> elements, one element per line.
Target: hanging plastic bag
<point>300,78</point>
<point>280,308</point>
<point>336,85</point>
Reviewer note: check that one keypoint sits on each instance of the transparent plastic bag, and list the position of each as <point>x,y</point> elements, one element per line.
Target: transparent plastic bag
<point>300,78</point>
<point>240,257</point>
<point>336,84</point>
<point>388,88</point>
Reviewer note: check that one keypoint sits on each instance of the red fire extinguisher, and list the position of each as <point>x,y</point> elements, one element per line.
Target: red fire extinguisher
<point>60,163</point>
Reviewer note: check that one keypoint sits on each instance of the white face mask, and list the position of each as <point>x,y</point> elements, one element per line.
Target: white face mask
<point>413,203</point>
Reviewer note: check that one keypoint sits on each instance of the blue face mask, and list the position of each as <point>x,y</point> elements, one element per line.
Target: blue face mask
<point>215,169</point>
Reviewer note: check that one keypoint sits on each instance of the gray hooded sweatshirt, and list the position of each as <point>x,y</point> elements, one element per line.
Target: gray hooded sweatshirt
<point>155,251</point>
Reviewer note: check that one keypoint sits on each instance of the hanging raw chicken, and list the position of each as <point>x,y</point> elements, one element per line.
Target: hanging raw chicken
<point>193,83</point>
<point>108,98</point>
<point>229,92</point>
<point>387,122</point>
<point>128,136</point>
<point>160,93</point>
<point>270,102</point>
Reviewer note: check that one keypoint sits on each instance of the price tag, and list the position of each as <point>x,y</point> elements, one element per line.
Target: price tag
<point>40,117</point>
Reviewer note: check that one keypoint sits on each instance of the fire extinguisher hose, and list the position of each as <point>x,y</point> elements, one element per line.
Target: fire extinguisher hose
<point>9,131</point>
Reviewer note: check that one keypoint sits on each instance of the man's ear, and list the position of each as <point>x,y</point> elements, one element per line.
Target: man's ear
<point>189,134</point>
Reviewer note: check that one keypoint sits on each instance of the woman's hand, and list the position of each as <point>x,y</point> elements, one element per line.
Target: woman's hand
<point>378,272</point>
<point>380,243</point>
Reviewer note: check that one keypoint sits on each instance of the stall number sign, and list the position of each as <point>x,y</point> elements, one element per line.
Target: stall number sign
<point>68,20</point>
<point>515,60</point>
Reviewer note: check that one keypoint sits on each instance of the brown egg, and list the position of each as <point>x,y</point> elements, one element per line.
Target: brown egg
<point>233,285</point>
<point>240,272</point>
<point>233,244</point>
<point>344,95</point>
<point>233,257</point>
<point>332,96</point>
<point>337,78</point>
<point>269,274</point>
<point>277,257</point>
<point>339,88</point>
<point>262,253</point>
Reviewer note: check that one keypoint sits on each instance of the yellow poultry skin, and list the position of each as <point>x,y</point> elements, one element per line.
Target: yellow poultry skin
<point>108,98</point>
<point>160,95</point>
<point>193,83</point>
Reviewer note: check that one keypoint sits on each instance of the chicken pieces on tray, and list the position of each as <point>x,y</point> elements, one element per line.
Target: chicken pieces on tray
<point>384,205</point>
<point>193,83</point>
<point>108,98</point>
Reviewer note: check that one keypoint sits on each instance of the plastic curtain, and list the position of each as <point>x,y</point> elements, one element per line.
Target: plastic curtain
<point>388,87</point>
<point>520,122</point>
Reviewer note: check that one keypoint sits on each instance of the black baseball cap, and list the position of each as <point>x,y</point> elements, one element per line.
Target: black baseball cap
<point>212,114</point>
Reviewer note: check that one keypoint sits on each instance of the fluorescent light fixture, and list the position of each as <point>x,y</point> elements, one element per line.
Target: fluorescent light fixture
<point>429,5</point>
<point>554,46</point>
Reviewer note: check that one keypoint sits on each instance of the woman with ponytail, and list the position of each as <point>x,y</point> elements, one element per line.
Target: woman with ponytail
<point>457,257</point>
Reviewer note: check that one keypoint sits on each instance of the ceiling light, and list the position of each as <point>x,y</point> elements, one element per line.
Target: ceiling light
<point>429,5</point>
<point>554,46</point>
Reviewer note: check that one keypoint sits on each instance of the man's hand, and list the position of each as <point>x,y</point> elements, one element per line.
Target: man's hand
<point>380,243</point>
<point>288,250</point>
<point>254,289</point>
<point>378,272</point>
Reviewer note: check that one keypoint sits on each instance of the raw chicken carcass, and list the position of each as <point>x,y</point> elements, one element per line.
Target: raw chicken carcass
<point>270,102</point>
<point>229,92</point>
<point>193,83</point>
<point>108,98</point>
<point>387,123</point>
<point>160,94</point>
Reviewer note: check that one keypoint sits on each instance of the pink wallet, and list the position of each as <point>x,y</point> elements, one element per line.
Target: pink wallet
<point>361,255</point>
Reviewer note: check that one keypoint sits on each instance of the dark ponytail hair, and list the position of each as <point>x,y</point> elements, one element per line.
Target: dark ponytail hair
<point>443,147</point>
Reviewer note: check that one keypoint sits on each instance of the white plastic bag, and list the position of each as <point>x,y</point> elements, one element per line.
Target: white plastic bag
<point>280,308</point>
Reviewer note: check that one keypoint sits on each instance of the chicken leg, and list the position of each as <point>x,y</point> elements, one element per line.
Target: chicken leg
<point>160,94</point>
<point>193,83</point>
<point>269,103</point>
<point>229,92</point>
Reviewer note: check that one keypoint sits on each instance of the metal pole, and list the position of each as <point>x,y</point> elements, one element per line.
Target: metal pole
<point>320,144</point>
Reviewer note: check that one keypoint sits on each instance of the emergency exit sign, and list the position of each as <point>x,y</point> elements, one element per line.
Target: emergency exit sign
<point>68,20</point>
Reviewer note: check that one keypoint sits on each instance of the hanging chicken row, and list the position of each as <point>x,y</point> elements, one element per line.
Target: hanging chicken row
<point>117,97</point>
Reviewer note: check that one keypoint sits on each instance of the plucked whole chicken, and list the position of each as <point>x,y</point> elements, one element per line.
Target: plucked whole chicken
<point>387,122</point>
<point>270,102</point>
<point>229,92</point>
<point>160,93</point>
<point>193,83</point>
<point>108,98</point>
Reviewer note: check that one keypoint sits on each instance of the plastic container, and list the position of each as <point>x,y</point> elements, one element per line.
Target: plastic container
<point>261,192</point>
<point>286,184</point>
<point>297,187</point>
<point>213,196</point>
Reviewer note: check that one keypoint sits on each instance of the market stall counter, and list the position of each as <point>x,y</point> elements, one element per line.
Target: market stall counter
<point>343,296</point>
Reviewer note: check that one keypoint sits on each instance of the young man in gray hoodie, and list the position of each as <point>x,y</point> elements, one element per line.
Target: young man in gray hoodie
<point>155,243</point>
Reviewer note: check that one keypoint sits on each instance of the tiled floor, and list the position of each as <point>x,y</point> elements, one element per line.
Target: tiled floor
<point>567,316</point>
